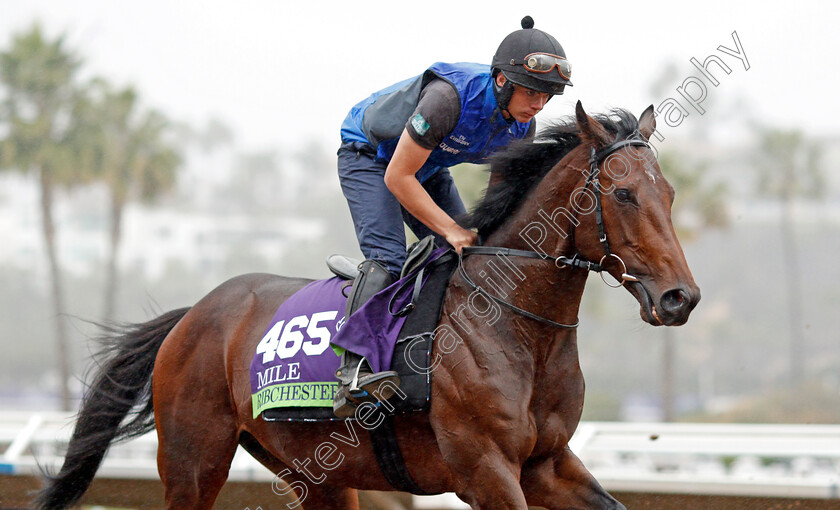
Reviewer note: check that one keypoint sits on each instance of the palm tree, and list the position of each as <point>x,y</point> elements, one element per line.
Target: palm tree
<point>789,167</point>
<point>38,78</point>
<point>130,154</point>
<point>150,171</point>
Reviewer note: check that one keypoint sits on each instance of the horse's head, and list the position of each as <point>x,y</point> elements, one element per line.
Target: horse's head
<point>596,183</point>
<point>635,231</point>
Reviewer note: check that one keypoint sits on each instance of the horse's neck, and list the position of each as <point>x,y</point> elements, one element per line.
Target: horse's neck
<point>541,287</point>
<point>542,353</point>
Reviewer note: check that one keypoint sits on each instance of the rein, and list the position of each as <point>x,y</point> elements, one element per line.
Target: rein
<point>561,261</point>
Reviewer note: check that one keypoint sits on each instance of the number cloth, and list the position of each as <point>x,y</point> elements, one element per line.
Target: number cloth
<point>293,364</point>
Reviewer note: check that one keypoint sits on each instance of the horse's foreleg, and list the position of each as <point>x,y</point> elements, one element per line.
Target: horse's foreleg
<point>562,481</point>
<point>483,437</point>
<point>485,477</point>
<point>493,485</point>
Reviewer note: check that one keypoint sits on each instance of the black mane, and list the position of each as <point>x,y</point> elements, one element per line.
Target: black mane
<point>524,163</point>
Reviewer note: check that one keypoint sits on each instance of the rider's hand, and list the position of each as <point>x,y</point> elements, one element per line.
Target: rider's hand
<point>459,237</point>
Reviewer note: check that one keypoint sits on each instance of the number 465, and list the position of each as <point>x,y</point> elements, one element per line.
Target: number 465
<point>285,342</point>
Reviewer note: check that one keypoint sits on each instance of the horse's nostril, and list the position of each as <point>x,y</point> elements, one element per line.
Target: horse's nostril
<point>674,301</point>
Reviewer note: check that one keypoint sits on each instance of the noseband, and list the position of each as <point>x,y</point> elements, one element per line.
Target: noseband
<point>561,261</point>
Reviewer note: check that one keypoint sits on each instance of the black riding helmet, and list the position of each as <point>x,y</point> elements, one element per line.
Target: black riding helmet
<point>533,59</point>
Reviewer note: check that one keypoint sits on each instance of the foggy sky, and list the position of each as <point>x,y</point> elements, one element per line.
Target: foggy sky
<point>282,72</point>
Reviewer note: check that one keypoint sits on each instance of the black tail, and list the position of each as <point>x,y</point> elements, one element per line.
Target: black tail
<point>123,383</point>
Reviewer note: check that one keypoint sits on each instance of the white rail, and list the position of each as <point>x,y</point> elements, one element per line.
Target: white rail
<point>749,460</point>
<point>725,459</point>
<point>27,439</point>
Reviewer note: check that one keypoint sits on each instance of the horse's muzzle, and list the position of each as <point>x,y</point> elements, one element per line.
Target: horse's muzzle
<point>675,305</point>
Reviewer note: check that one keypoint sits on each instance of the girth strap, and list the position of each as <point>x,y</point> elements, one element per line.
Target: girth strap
<point>383,438</point>
<point>390,459</point>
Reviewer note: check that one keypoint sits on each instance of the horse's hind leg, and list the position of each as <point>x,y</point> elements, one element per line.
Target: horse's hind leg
<point>194,418</point>
<point>194,456</point>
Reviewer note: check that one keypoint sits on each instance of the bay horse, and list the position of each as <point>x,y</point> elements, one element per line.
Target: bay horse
<point>506,399</point>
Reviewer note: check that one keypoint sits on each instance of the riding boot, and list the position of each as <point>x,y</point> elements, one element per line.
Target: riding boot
<point>371,278</point>
<point>357,381</point>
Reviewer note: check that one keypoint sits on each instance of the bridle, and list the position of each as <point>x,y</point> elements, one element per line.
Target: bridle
<point>562,261</point>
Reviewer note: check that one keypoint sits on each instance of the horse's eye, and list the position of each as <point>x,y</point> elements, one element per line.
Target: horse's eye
<point>624,195</point>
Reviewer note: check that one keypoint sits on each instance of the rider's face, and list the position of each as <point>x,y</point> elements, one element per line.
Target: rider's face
<point>525,102</point>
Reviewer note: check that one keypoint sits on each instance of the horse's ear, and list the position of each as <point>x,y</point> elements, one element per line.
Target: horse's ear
<point>647,123</point>
<point>591,131</point>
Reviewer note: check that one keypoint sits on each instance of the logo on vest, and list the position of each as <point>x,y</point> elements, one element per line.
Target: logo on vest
<point>419,124</point>
<point>446,148</point>
<point>460,139</point>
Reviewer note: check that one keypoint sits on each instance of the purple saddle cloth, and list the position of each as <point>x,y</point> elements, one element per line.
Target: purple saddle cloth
<point>293,365</point>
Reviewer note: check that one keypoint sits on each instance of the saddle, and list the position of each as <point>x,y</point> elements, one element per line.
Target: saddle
<point>369,276</point>
<point>344,267</point>
<point>347,268</point>
<point>412,356</point>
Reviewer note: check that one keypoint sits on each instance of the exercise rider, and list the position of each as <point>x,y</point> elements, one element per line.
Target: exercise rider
<point>397,146</point>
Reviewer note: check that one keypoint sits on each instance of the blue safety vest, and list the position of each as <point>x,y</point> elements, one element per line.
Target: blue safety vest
<point>481,130</point>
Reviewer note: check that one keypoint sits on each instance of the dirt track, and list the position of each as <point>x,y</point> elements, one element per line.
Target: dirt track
<point>251,495</point>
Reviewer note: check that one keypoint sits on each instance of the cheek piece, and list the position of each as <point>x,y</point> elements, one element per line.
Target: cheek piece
<point>503,95</point>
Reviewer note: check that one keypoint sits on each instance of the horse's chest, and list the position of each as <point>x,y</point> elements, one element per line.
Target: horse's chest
<point>556,414</point>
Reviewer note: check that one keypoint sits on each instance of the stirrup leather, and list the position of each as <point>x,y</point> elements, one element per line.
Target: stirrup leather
<point>348,360</point>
